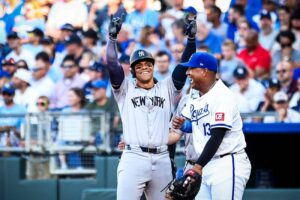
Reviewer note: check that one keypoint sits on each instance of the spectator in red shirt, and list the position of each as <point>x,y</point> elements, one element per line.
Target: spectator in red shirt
<point>257,59</point>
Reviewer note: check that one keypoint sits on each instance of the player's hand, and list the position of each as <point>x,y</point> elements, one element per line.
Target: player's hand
<point>121,145</point>
<point>177,122</point>
<point>190,22</point>
<point>115,25</point>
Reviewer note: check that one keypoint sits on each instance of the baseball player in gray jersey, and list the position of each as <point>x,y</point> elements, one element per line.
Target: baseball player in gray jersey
<point>145,106</point>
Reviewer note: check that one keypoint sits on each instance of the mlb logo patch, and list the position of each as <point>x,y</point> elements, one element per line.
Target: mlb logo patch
<point>220,116</point>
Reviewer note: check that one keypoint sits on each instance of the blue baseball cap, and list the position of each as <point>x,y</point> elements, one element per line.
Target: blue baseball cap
<point>97,66</point>
<point>202,60</point>
<point>240,72</point>
<point>8,88</point>
<point>191,9</point>
<point>99,84</point>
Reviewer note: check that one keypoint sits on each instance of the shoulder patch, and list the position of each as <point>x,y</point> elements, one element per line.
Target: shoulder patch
<point>220,116</point>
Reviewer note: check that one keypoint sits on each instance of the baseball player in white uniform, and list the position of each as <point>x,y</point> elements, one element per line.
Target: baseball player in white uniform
<point>145,107</point>
<point>215,122</point>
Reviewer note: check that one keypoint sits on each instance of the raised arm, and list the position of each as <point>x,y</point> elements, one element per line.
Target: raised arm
<point>115,70</point>
<point>179,73</point>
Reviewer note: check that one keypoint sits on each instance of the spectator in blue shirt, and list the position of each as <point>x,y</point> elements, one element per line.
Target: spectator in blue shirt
<point>206,37</point>
<point>141,16</point>
<point>10,126</point>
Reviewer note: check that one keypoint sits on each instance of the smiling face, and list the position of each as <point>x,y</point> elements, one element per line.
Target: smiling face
<point>197,76</point>
<point>144,73</point>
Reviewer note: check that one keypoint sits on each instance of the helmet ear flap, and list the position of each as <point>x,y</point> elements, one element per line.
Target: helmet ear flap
<point>132,70</point>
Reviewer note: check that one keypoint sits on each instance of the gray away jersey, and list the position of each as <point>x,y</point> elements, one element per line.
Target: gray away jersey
<point>146,113</point>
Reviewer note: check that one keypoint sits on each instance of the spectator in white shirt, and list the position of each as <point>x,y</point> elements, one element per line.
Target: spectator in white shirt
<point>285,114</point>
<point>18,53</point>
<point>41,83</point>
<point>249,92</point>
<point>170,15</point>
<point>69,11</point>
<point>25,95</point>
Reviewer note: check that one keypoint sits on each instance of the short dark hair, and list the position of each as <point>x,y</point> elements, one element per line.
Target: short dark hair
<point>239,9</point>
<point>283,7</point>
<point>287,33</point>
<point>43,56</point>
<point>162,53</point>
<point>70,57</point>
<point>216,9</point>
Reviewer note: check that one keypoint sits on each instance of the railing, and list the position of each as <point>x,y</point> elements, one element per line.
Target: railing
<point>67,142</point>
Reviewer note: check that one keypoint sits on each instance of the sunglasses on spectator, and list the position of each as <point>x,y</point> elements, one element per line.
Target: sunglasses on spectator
<point>176,51</point>
<point>285,45</point>
<point>36,69</point>
<point>67,66</point>
<point>280,71</point>
<point>281,102</point>
<point>43,104</point>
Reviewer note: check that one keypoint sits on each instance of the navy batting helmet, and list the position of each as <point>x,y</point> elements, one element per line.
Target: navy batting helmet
<point>138,56</point>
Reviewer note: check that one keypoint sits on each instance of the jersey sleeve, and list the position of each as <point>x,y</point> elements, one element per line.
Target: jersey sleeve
<point>222,115</point>
<point>120,93</point>
<point>186,110</point>
<point>173,92</point>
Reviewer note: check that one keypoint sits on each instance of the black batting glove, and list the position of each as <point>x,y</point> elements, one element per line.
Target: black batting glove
<point>190,22</point>
<point>115,26</point>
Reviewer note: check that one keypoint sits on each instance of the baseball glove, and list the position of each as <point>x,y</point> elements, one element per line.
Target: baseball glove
<point>184,188</point>
<point>190,22</point>
<point>115,25</point>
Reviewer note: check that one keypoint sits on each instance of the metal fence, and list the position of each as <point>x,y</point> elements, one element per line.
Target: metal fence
<point>61,143</point>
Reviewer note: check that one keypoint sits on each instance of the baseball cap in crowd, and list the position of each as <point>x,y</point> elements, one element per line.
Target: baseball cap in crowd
<point>191,9</point>
<point>280,97</point>
<point>47,40</point>
<point>9,61</point>
<point>67,27</point>
<point>202,60</point>
<point>124,59</point>
<point>90,33</point>
<point>37,32</point>
<point>13,35</point>
<point>73,39</point>
<point>240,72</point>
<point>273,83</point>
<point>23,75</point>
<point>97,66</point>
<point>265,14</point>
<point>8,88</point>
<point>99,84</point>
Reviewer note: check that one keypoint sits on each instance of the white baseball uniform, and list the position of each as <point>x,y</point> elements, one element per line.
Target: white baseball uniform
<point>226,174</point>
<point>145,115</point>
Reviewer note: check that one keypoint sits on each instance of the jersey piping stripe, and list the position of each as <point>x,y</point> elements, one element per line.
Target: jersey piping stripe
<point>233,176</point>
<point>220,125</point>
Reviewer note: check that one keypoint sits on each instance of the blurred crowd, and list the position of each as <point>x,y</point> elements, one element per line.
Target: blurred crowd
<point>53,51</point>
